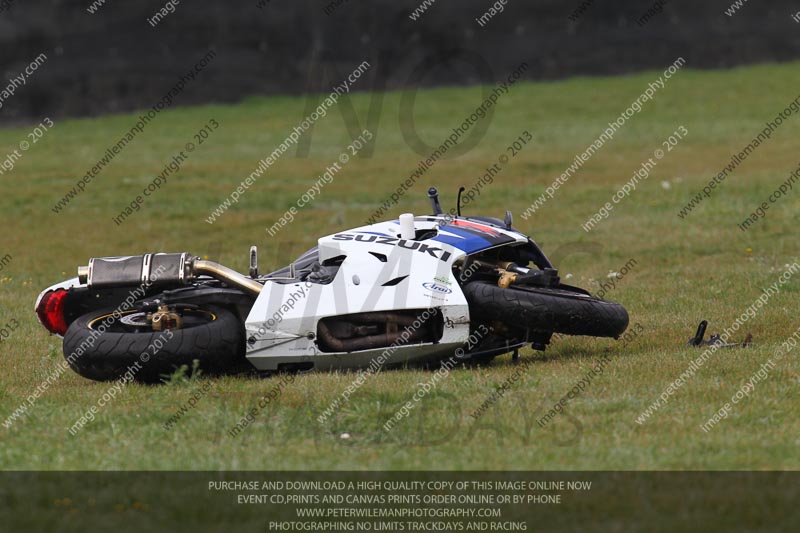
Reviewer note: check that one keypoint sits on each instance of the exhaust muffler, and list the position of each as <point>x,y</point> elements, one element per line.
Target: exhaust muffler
<point>159,269</point>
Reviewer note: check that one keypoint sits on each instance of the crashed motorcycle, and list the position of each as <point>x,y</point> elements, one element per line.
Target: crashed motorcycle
<point>402,292</point>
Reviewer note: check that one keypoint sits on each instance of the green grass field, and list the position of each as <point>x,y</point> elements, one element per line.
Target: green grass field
<point>686,270</point>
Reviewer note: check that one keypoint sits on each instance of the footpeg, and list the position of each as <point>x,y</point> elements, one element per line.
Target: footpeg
<point>254,262</point>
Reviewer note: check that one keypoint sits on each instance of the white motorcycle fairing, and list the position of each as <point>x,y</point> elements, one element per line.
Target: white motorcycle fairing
<point>380,272</point>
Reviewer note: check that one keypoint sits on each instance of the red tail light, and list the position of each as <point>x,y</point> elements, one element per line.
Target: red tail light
<point>51,311</point>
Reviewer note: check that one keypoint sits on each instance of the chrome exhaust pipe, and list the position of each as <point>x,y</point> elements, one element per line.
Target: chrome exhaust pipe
<point>223,273</point>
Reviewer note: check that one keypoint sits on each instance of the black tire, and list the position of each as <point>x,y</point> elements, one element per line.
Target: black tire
<point>546,310</point>
<point>215,337</point>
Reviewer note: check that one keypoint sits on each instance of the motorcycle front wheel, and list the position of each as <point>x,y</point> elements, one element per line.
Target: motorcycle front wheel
<point>549,310</point>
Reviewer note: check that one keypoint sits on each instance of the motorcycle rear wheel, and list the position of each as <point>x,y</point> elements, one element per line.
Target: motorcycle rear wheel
<point>103,347</point>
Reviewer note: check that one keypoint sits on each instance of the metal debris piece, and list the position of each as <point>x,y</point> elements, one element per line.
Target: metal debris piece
<point>715,339</point>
